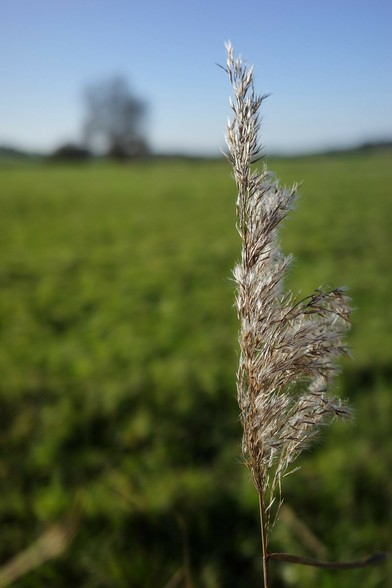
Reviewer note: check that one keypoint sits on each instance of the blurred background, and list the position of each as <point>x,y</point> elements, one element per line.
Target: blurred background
<point>120,441</point>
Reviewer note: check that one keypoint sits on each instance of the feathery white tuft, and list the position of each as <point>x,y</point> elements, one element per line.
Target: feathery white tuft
<point>289,347</point>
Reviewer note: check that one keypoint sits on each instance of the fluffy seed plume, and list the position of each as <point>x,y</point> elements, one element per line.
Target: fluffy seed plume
<point>289,347</point>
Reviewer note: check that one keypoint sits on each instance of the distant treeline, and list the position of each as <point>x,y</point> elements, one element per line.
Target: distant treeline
<point>74,152</point>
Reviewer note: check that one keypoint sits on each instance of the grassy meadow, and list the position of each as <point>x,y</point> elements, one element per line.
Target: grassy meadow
<point>118,356</point>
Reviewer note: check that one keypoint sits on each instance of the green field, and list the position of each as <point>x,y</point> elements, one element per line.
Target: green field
<point>118,357</point>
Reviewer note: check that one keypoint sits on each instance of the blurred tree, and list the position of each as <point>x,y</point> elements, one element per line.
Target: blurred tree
<point>115,120</point>
<point>70,152</point>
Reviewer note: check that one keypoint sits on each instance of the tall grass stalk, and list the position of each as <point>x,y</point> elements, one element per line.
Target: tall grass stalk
<point>288,346</point>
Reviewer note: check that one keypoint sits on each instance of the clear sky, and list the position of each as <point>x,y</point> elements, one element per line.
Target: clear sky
<point>326,63</point>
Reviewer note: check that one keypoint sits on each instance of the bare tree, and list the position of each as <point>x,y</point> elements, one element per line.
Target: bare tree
<point>115,120</point>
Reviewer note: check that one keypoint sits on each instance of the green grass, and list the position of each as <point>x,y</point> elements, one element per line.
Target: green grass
<point>118,358</point>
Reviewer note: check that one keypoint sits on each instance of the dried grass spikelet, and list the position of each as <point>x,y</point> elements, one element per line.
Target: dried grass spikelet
<point>288,346</point>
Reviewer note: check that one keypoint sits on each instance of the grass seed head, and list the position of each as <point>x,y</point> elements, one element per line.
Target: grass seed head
<point>288,346</point>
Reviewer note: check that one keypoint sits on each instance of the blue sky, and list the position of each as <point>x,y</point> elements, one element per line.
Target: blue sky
<point>327,65</point>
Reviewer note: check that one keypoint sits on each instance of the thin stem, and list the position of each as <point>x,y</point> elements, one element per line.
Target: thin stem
<point>264,541</point>
<point>330,565</point>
